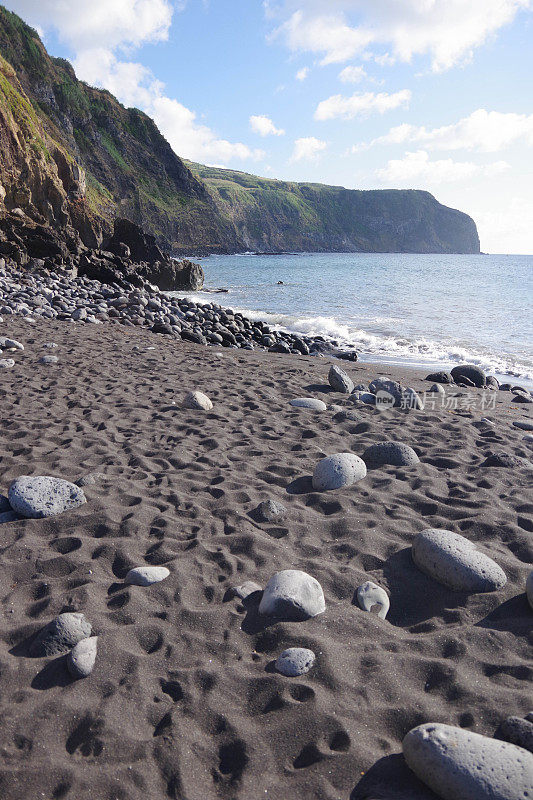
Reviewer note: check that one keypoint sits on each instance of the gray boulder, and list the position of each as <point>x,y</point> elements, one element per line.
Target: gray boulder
<point>436,389</point>
<point>469,372</point>
<point>455,562</point>
<point>383,384</point>
<point>43,496</point>
<point>82,657</point>
<point>410,399</point>
<point>7,363</point>
<point>460,765</point>
<point>295,661</point>
<point>522,398</point>
<point>336,471</point>
<point>367,398</point>
<point>292,595</point>
<point>145,576</point>
<point>396,454</point>
<point>518,731</point>
<point>10,344</point>
<point>61,634</point>
<point>339,380</point>
<point>308,402</point>
<point>270,511</point>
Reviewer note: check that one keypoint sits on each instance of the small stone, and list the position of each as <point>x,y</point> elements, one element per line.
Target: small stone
<point>486,421</point>
<point>439,377</point>
<point>6,363</point>
<point>460,765</point>
<point>387,386</point>
<point>10,344</point>
<point>369,595</point>
<point>455,562</point>
<point>503,460</point>
<point>518,731</point>
<point>367,398</point>
<point>61,634</point>
<point>82,657</point>
<point>90,479</point>
<point>437,389</point>
<point>145,576</point>
<point>522,398</point>
<point>396,454</point>
<point>270,511</point>
<point>336,471</point>
<point>43,496</point>
<point>198,400</point>
<point>49,345</point>
<point>295,661</point>
<point>410,399</point>
<point>529,589</point>
<point>48,360</point>
<point>292,595</point>
<point>309,402</point>
<point>471,373</point>
<point>339,380</point>
<point>492,382</point>
<point>524,425</point>
<point>246,589</point>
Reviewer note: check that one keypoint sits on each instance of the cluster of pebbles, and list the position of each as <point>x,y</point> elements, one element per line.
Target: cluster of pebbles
<point>51,295</point>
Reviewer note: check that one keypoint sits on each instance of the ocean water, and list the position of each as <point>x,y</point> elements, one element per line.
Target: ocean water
<point>421,310</point>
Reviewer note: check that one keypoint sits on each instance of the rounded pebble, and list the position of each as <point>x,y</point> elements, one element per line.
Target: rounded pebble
<point>82,657</point>
<point>455,562</point>
<point>61,634</point>
<point>369,595</point>
<point>295,661</point>
<point>270,511</point>
<point>292,595</point>
<point>396,454</point>
<point>42,496</point>
<point>471,373</point>
<point>6,363</point>
<point>460,765</point>
<point>198,400</point>
<point>145,576</point>
<point>308,402</point>
<point>336,471</point>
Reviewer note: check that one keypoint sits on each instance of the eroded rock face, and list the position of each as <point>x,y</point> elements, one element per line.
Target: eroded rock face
<point>456,763</point>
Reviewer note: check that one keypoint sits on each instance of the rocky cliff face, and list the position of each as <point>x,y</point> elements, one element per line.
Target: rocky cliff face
<point>75,157</point>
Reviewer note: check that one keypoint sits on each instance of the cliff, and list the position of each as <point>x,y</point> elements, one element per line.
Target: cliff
<point>75,157</point>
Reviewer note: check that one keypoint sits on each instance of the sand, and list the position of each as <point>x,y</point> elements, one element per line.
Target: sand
<point>184,701</point>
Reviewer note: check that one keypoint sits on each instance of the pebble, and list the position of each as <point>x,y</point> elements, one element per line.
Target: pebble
<point>439,377</point>
<point>246,589</point>
<point>198,400</point>
<point>10,344</point>
<point>437,388</point>
<point>486,421</point>
<point>396,454</point>
<point>42,496</point>
<point>82,657</point>
<point>455,562</point>
<point>524,425</point>
<point>370,594</point>
<point>460,765</point>
<point>61,634</point>
<point>529,589</point>
<point>145,576</point>
<point>49,345</point>
<point>292,595</point>
<point>471,373</point>
<point>364,397</point>
<point>295,661</point>
<point>518,731</point>
<point>90,479</point>
<point>48,360</point>
<point>339,380</point>
<point>336,471</point>
<point>383,384</point>
<point>271,511</point>
<point>309,402</point>
<point>411,399</point>
<point>6,363</point>
<point>503,460</point>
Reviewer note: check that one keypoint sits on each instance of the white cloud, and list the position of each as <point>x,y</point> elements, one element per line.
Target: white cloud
<point>302,74</point>
<point>307,149</point>
<point>96,31</point>
<point>348,107</point>
<point>264,126</point>
<point>416,170</point>
<point>486,131</point>
<point>507,230</point>
<point>448,31</point>
<point>352,74</point>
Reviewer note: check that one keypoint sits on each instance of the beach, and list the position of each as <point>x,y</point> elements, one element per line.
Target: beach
<point>184,700</point>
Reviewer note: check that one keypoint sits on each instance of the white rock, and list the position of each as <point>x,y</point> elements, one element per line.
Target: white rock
<point>42,496</point>
<point>82,657</point>
<point>437,388</point>
<point>198,400</point>
<point>145,576</point>
<point>370,594</point>
<point>456,562</point>
<point>460,765</point>
<point>309,402</point>
<point>10,344</point>
<point>341,469</point>
<point>292,595</point>
<point>295,661</point>
<point>411,399</point>
<point>6,363</point>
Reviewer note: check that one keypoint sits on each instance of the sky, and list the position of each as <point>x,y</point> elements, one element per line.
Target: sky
<point>367,94</point>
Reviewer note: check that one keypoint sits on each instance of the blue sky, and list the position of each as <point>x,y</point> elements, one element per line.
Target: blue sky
<point>428,94</point>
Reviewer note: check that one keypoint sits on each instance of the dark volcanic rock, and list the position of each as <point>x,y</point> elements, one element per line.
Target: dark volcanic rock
<point>471,373</point>
<point>170,275</point>
<point>440,377</point>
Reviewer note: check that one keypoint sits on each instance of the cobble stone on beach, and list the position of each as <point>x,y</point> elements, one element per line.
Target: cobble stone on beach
<point>382,384</point>
<point>471,373</point>
<point>42,496</point>
<point>271,511</point>
<point>292,595</point>
<point>336,471</point>
<point>246,589</point>
<point>308,402</point>
<point>82,657</point>
<point>524,425</point>
<point>61,634</point>
<point>396,454</point>
<point>146,576</point>
<point>48,360</point>
<point>516,730</point>
<point>369,594</point>
<point>295,661</point>
<point>198,401</point>
<point>339,380</point>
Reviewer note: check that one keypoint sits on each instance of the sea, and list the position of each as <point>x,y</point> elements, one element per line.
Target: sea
<point>430,311</point>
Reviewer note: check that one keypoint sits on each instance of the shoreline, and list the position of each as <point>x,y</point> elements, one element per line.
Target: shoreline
<point>184,693</point>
